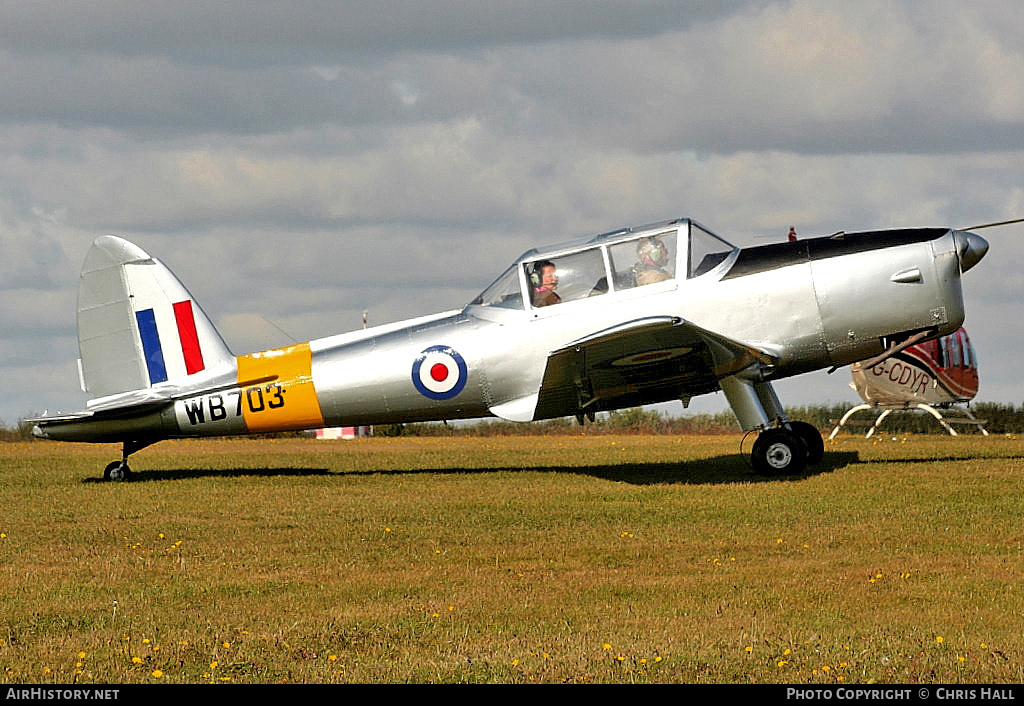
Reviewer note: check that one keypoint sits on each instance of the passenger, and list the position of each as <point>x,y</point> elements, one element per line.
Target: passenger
<point>652,257</point>
<point>544,282</point>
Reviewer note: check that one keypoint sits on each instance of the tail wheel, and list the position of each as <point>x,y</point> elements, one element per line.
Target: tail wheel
<point>778,452</point>
<point>117,471</point>
<point>811,437</point>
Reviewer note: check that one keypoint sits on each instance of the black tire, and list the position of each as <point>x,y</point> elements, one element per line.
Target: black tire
<point>812,440</point>
<point>117,471</point>
<point>778,452</point>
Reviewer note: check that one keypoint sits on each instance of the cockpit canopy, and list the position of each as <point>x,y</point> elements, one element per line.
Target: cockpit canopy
<point>612,262</point>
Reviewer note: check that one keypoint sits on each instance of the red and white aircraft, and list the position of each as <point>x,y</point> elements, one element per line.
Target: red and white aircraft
<point>937,374</point>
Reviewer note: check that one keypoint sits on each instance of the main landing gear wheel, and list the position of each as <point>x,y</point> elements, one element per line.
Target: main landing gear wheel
<point>812,440</point>
<point>779,452</point>
<point>117,471</point>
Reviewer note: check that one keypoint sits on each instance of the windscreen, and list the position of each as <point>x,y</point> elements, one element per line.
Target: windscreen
<point>504,292</point>
<point>706,251</point>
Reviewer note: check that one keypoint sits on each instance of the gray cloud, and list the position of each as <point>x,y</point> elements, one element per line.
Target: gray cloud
<point>259,32</point>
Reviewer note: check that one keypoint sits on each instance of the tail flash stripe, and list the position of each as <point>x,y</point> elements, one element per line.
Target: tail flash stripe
<point>189,338</point>
<point>151,348</point>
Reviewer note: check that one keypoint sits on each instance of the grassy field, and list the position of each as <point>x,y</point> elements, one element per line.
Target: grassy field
<point>513,559</point>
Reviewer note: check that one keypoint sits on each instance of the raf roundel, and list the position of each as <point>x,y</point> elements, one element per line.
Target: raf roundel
<point>439,373</point>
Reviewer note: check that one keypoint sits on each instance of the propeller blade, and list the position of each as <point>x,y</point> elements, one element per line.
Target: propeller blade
<point>992,225</point>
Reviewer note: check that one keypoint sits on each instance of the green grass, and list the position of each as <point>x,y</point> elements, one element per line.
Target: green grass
<point>513,559</point>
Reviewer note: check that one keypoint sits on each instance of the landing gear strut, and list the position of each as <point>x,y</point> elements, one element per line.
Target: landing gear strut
<point>783,447</point>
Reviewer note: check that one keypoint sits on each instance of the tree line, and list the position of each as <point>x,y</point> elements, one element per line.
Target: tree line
<point>998,419</point>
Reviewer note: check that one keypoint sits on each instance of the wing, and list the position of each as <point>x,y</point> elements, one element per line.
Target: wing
<point>647,360</point>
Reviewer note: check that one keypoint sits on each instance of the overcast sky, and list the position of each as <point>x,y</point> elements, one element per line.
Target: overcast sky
<point>297,162</point>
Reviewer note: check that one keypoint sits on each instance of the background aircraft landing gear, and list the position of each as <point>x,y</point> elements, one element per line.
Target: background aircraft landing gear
<point>117,471</point>
<point>779,452</point>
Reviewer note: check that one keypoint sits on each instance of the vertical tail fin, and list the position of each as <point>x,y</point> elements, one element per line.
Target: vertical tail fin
<point>137,324</point>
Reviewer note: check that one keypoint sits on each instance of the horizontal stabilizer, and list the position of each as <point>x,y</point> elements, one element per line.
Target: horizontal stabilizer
<point>130,400</point>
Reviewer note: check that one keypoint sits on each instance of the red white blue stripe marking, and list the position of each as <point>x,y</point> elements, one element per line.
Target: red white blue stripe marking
<point>188,336</point>
<point>153,348</point>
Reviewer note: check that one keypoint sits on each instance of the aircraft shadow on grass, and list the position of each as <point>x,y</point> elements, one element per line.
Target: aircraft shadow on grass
<point>187,473</point>
<point>723,469</point>
<point>717,470</point>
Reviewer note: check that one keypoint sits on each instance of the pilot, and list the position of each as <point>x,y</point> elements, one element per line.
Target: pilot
<point>544,282</point>
<point>652,257</point>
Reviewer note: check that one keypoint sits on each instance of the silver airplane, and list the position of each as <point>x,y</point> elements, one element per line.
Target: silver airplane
<point>632,317</point>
